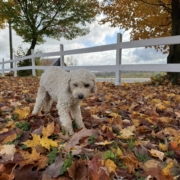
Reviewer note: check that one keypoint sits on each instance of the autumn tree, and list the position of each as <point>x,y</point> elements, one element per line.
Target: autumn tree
<point>35,20</point>
<point>147,19</point>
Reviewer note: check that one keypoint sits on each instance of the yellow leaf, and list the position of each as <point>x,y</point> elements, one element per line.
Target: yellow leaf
<point>167,169</point>
<point>110,165</point>
<point>47,131</point>
<point>163,147</point>
<point>156,153</point>
<point>25,91</point>
<point>161,107</point>
<point>114,114</point>
<point>156,101</point>
<point>44,142</point>
<point>36,139</point>
<point>29,158</point>
<point>118,152</point>
<point>105,127</point>
<point>47,143</point>
<point>23,112</point>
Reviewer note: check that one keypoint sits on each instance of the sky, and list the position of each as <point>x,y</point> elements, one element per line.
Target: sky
<point>99,35</point>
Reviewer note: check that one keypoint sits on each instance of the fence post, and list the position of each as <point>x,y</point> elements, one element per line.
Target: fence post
<point>14,67</point>
<point>118,60</point>
<point>33,63</point>
<point>62,56</point>
<point>2,66</point>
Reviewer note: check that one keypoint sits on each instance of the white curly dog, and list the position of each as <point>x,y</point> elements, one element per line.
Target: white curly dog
<point>68,90</point>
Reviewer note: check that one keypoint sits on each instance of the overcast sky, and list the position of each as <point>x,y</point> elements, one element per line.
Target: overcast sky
<point>99,35</point>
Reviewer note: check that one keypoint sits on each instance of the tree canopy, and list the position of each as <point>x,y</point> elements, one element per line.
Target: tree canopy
<point>146,19</point>
<point>34,20</point>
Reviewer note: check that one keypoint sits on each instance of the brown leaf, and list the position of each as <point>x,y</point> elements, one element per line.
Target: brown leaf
<point>78,170</point>
<point>77,136</point>
<point>26,173</point>
<point>95,170</point>
<point>53,170</point>
<point>157,173</point>
<point>130,161</point>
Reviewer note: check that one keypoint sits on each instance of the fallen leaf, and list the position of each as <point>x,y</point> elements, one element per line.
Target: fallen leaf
<point>156,153</point>
<point>47,131</point>
<point>77,136</point>
<point>7,152</point>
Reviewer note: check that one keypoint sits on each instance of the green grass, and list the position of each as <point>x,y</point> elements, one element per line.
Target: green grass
<point>130,74</point>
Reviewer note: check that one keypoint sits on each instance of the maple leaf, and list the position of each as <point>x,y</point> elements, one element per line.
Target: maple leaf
<point>34,142</point>
<point>47,131</point>
<point>23,112</point>
<point>125,134</point>
<point>7,152</point>
<point>77,136</point>
<point>48,143</point>
<point>44,141</point>
<point>96,170</point>
<point>29,158</point>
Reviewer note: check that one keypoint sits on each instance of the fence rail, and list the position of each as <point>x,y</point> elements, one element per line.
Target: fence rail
<point>117,68</point>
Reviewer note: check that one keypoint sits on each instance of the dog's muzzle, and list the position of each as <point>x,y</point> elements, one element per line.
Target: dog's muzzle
<point>80,96</point>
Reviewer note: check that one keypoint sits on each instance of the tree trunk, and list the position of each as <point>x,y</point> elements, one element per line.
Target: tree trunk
<point>174,53</point>
<point>33,44</point>
<point>28,61</point>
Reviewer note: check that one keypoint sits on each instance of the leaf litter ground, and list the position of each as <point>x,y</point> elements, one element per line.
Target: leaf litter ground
<point>132,132</point>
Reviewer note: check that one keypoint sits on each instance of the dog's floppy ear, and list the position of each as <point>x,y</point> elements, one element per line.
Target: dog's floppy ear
<point>94,88</point>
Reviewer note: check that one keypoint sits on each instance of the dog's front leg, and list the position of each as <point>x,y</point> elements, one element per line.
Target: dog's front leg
<point>65,119</point>
<point>76,115</point>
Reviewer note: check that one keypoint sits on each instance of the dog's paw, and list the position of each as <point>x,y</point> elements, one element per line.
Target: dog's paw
<point>34,112</point>
<point>69,130</point>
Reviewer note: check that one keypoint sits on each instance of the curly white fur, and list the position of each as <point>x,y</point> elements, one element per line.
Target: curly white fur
<point>68,90</point>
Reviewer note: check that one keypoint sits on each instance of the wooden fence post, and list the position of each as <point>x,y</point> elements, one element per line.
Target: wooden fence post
<point>33,63</point>
<point>118,60</point>
<point>14,67</point>
<point>62,56</point>
<point>2,66</point>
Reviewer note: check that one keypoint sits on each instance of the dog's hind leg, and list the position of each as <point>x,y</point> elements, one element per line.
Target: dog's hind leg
<point>48,103</point>
<point>40,99</point>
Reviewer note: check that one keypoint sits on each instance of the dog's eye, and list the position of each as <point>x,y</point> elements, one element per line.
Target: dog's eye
<point>86,85</point>
<point>75,85</point>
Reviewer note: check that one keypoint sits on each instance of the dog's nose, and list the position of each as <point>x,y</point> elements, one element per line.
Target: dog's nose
<point>80,96</point>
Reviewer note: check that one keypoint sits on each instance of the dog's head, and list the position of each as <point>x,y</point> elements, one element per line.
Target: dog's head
<point>82,83</point>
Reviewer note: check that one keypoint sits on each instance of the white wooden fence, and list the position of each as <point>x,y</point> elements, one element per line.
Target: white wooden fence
<point>117,68</point>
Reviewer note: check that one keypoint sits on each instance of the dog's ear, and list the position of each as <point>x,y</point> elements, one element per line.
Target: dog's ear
<point>94,88</point>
